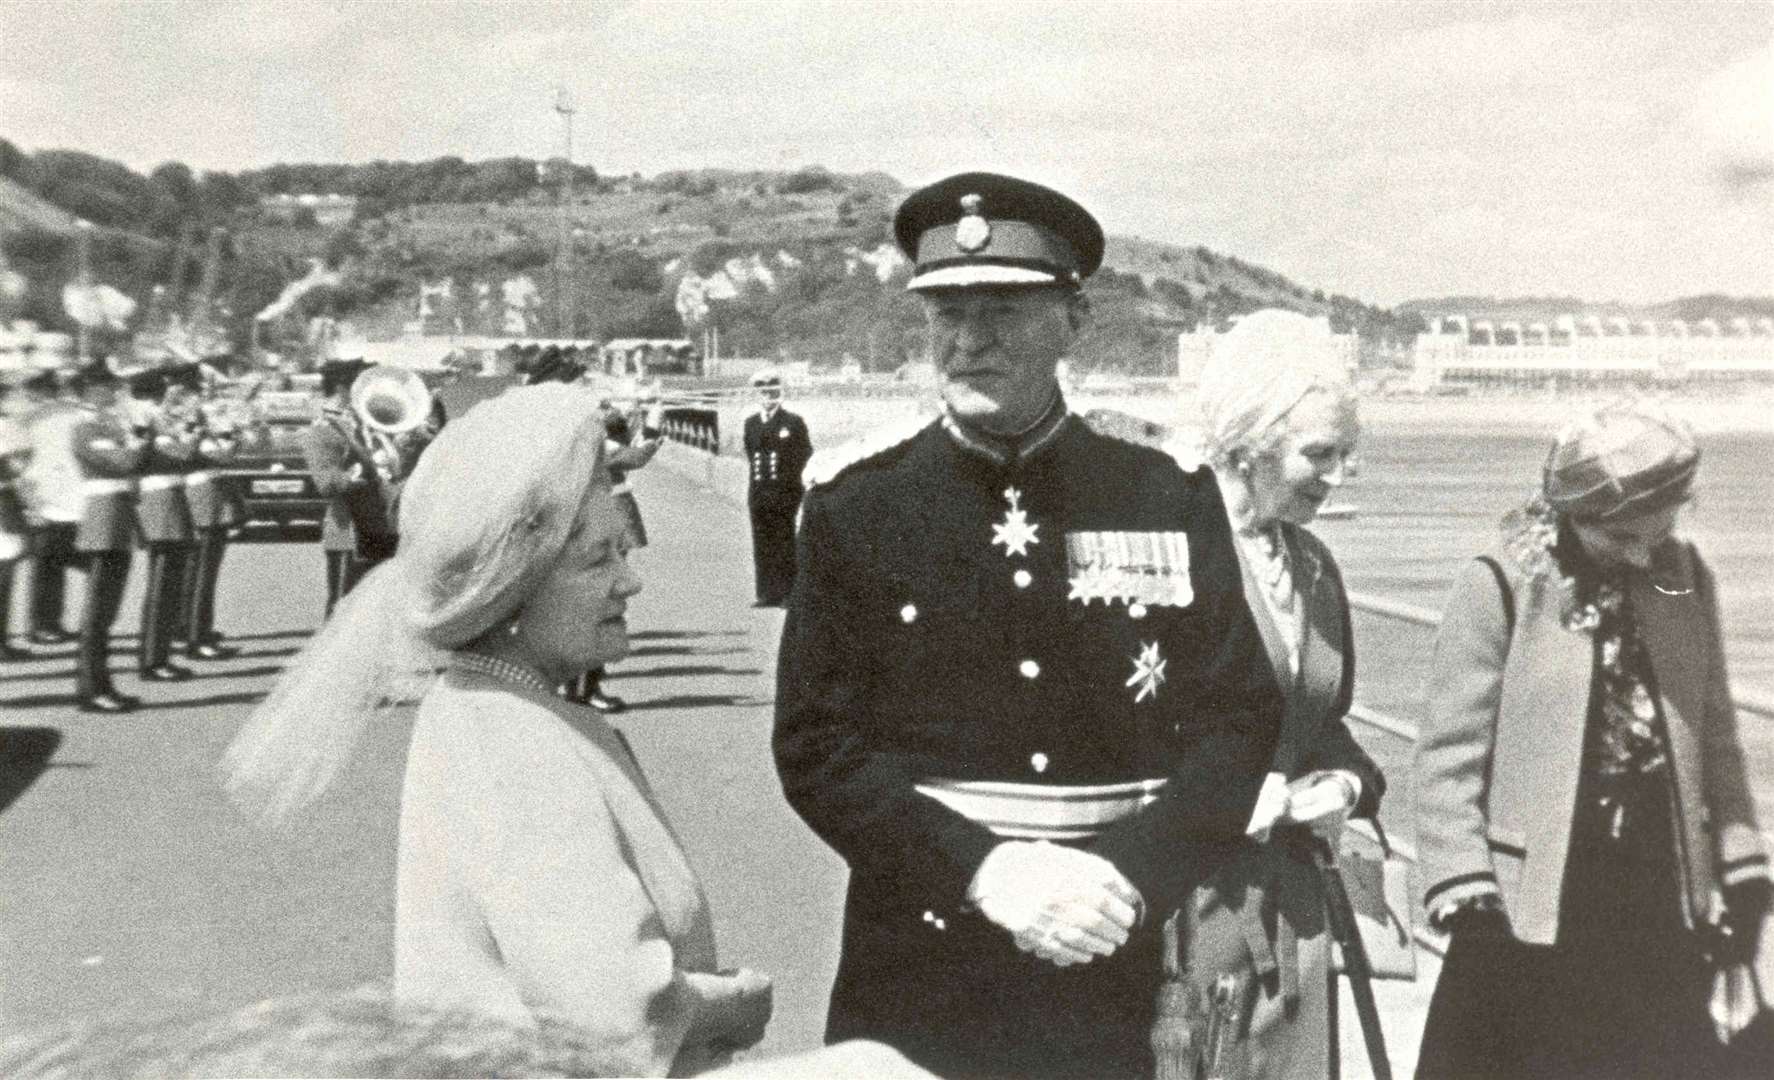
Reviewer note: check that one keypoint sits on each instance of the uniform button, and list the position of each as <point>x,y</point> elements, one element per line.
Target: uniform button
<point>908,614</point>
<point>1022,578</point>
<point>1136,611</point>
<point>1038,762</point>
<point>1029,668</point>
<point>935,920</point>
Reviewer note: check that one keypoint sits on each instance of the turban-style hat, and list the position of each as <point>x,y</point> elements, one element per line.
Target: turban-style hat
<point>490,506</point>
<point>483,520</point>
<point>1259,370</point>
<point>1621,461</point>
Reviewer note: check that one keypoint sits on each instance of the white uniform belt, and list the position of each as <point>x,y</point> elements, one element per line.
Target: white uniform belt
<point>162,481</point>
<point>107,487</point>
<point>202,476</point>
<point>621,489</point>
<point>1044,811</point>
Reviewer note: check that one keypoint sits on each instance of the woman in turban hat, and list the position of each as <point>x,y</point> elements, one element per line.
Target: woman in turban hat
<point>1584,824</point>
<point>536,874</point>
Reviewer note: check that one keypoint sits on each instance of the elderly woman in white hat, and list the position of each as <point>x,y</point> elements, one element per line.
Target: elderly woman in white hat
<point>1278,425</point>
<point>1584,822</point>
<point>536,873</point>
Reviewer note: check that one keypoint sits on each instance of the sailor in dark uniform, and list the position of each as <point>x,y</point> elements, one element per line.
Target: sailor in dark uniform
<point>163,516</point>
<point>1019,689</point>
<point>776,450</point>
<point>109,454</point>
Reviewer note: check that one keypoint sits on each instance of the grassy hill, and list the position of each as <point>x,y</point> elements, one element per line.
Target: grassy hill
<point>792,264</point>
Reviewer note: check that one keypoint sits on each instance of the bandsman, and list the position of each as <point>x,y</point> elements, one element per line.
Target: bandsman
<point>216,508</point>
<point>342,466</point>
<point>165,419</point>
<point>777,448</point>
<point>1019,690</point>
<point>110,455</point>
<point>51,489</point>
<point>15,452</point>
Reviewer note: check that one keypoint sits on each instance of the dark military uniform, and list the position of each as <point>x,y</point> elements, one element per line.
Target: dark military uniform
<point>216,507</point>
<point>164,518</point>
<point>987,645</point>
<point>107,527</point>
<point>776,449</point>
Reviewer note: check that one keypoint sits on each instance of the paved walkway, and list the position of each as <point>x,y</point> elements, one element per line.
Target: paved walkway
<point>127,882</point>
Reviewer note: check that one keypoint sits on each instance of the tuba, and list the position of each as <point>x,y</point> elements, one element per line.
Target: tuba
<point>389,403</point>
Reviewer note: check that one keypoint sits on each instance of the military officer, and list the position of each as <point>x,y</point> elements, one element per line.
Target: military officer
<point>216,507</point>
<point>777,449</point>
<point>342,465</point>
<point>1019,690</point>
<point>165,420</point>
<point>109,453</point>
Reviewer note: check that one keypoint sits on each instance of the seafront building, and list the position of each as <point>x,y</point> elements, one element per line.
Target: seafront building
<point>1591,350</point>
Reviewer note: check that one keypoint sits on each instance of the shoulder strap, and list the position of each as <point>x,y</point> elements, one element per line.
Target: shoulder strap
<point>1496,569</point>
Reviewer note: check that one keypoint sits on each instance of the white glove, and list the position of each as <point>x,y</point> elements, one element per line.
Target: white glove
<point>1061,904</point>
<point>655,417</point>
<point>1323,801</point>
<point>1271,806</point>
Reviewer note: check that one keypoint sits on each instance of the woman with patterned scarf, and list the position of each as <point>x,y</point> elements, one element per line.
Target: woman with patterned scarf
<point>1585,827</point>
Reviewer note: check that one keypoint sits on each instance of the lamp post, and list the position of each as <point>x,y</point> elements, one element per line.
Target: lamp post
<point>563,104</point>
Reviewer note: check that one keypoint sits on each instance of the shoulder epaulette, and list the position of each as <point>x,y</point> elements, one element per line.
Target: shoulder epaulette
<point>827,465</point>
<point>1180,444</point>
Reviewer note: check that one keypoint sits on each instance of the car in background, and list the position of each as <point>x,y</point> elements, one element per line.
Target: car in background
<point>271,472</point>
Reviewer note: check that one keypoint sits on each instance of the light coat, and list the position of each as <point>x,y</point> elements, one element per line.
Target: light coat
<point>1500,755</point>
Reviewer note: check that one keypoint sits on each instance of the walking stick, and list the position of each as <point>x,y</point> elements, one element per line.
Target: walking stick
<point>1348,937</point>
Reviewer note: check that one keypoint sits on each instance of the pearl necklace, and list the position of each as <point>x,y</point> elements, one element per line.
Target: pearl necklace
<point>503,670</point>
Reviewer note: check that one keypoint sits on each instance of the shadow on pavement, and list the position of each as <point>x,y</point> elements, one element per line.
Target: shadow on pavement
<point>684,650</point>
<point>40,701</point>
<point>24,754</point>
<point>272,635</point>
<point>695,701</point>
<point>242,698</point>
<point>238,673</point>
<point>681,670</point>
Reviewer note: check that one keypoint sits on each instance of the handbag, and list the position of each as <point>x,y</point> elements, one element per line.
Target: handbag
<point>1378,883</point>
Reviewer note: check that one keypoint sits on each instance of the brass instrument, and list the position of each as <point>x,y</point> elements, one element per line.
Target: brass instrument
<point>390,404</point>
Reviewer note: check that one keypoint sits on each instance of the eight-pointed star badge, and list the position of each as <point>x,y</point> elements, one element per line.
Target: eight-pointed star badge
<point>1016,533</point>
<point>1148,672</point>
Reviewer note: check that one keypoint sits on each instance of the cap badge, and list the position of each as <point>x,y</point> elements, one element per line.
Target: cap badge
<point>973,232</point>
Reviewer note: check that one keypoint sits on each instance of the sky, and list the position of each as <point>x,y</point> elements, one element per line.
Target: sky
<point>1608,151</point>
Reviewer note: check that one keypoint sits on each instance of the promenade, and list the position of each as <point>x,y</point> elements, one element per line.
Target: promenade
<point>128,884</point>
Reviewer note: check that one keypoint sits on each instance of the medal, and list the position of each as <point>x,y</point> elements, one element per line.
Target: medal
<point>1015,533</point>
<point>1148,673</point>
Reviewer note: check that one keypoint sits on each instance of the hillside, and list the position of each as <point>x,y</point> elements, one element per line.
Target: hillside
<point>797,265</point>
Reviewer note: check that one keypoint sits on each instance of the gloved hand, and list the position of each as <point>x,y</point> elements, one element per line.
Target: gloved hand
<point>1061,904</point>
<point>1478,917</point>
<point>1322,802</point>
<point>1271,805</point>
